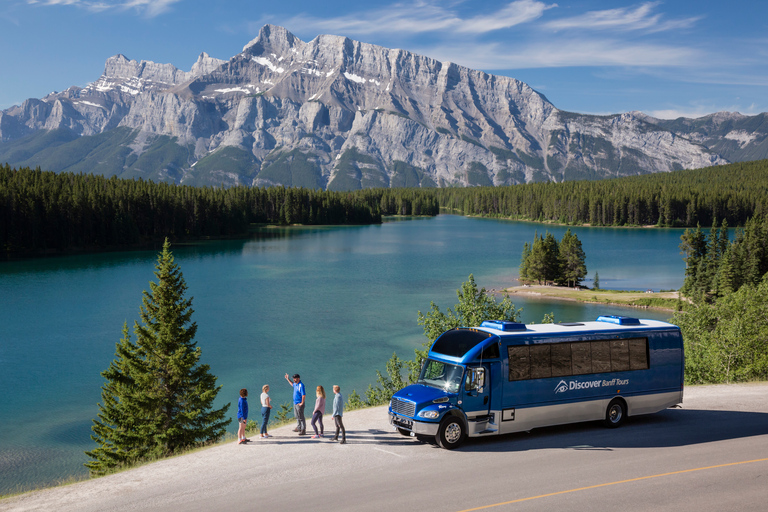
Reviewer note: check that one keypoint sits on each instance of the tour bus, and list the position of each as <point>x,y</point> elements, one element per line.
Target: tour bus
<point>505,377</point>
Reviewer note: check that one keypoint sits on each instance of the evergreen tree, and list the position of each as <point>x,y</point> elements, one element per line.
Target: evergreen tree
<point>596,284</point>
<point>524,262</point>
<point>572,260</point>
<point>551,252</point>
<point>158,398</point>
<point>693,246</point>
<point>536,260</point>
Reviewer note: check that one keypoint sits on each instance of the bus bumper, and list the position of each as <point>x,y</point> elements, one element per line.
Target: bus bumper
<point>421,428</point>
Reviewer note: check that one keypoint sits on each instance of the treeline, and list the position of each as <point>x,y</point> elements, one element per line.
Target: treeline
<point>717,266</point>
<point>734,192</point>
<point>48,212</point>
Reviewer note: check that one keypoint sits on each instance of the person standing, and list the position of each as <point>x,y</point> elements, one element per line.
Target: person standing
<point>299,395</point>
<point>317,413</point>
<point>266,408</point>
<point>338,411</point>
<point>242,416</point>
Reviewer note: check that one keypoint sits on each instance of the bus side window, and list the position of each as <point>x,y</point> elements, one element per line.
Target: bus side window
<point>541,363</point>
<point>601,356</point>
<point>519,362</point>
<point>475,380</point>
<point>619,355</point>
<point>561,360</point>
<point>582,358</point>
<point>638,354</point>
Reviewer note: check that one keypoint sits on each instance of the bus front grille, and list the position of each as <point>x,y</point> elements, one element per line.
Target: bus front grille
<point>403,407</point>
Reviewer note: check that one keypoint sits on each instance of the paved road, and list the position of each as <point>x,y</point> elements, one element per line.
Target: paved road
<point>710,455</point>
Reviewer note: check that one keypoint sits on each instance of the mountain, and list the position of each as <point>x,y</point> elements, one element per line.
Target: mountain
<point>339,114</point>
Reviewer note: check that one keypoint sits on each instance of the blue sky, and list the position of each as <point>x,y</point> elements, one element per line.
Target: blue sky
<point>679,57</point>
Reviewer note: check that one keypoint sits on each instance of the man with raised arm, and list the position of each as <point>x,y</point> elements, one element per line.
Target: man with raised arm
<point>299,395</point>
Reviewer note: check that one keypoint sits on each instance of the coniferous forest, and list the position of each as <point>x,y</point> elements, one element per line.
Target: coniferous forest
<point>47,212</point>
<point>734,193</point>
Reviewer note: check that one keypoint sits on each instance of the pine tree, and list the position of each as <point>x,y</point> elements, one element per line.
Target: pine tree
<point>572,260</point>
<point>524,262</point>
<point>158,398</point>
<point>551,252</point>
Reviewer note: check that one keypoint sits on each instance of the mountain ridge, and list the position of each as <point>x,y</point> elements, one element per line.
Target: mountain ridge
<point>342,114</point>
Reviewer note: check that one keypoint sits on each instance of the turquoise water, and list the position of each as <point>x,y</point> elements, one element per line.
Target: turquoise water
<point>332,304</point>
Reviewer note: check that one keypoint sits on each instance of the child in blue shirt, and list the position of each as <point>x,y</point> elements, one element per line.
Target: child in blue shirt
<point>242,416</point>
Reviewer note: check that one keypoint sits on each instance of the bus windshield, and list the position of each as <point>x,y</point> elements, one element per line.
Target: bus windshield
<point>441,375</point>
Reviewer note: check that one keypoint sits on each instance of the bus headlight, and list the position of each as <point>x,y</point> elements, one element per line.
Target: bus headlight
<point>430,415</point>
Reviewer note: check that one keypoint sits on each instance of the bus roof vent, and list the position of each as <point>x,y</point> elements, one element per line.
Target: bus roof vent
<point>502,325</point>
<point>618,320</point>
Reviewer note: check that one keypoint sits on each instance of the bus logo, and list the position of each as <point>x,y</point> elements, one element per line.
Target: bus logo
<point>563,386</point>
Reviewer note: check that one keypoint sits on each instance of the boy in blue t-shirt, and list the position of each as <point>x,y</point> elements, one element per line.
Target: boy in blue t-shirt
<point>242,416</point>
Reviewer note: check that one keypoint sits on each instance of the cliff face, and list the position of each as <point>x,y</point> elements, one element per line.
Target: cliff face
<point>340,114</point>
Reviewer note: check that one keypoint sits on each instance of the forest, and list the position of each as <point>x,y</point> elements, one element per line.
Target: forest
<point>734,193</point>
<point>44,212</point>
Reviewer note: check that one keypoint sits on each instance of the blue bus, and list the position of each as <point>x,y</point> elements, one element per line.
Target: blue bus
<point>505,377</point>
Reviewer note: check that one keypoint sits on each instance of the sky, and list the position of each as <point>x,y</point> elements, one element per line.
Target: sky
<point>668,59</point>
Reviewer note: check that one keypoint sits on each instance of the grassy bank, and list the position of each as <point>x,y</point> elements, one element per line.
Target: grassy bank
<point>669,301</point>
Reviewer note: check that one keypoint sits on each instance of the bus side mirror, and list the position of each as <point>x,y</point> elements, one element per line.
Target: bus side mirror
<point>475,380</point>
<point>480,372</point>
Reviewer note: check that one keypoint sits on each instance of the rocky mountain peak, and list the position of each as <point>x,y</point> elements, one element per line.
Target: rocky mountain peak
<point>274,38</point>
<point>205,64</point>
<point>342,114</point>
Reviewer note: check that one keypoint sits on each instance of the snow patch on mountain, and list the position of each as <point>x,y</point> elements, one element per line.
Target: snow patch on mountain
<point>741,136</point>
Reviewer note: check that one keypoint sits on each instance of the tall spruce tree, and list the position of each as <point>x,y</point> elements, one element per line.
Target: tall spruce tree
<point>158,398</point>
<point>572,260</point>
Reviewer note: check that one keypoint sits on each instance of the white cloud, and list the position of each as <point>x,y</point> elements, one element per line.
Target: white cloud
<point>419,17</point>
<point>149,8</point>
<point>700,110</point>
<point>564,53</point>
<point>639,18</point>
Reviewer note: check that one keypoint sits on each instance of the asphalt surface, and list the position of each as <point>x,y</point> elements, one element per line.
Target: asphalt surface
<point>709,455</point>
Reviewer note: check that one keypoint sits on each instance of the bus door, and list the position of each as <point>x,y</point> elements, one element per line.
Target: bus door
<point>476,402</point>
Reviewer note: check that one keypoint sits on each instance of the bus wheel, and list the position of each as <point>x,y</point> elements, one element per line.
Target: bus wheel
<point>450,434</point>
<point>615,413</point>
<point>404,432</point>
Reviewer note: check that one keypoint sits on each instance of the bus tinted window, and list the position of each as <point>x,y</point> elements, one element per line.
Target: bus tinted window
<point>541,364</point>
<point>458,342</point>
<point>601,356</point>
<point>561,359</point>
<point>619,355</point>
<point>519,363</point>
<point>638,354</point>
<point>581,357</point>
<point>577,358</point>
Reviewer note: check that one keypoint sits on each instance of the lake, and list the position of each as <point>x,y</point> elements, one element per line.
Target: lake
<point>330,303</point>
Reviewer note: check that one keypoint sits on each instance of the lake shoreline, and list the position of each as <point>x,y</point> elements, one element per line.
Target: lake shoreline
<point>663,301</point>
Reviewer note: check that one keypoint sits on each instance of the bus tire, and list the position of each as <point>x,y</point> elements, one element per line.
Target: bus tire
<point>451,433</point>
<point>404,432</point>
<point>615,413</point>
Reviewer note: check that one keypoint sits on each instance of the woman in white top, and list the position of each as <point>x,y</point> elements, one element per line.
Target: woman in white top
<point>266,407</point>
